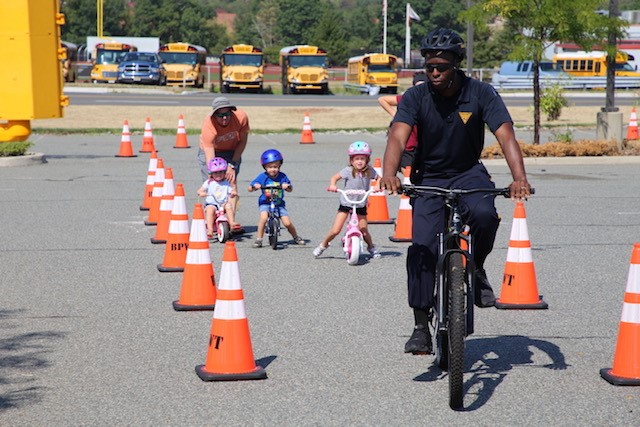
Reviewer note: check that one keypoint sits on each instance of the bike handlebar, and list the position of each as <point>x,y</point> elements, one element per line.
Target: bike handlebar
<point>347,193</point>
<point>414,190</point>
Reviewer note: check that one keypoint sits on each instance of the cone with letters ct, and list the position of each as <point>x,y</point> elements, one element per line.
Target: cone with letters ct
<point>632,130</point>
<point>181,134</point>
<point>126,150</point>
<point>230,353</point>
<point>175,251</point>
<point>165,208</point>
<point>626,361</point>
<point>377,208</point>
<point>151,177</point>
<point>307,133</point>
<point>148,145</point>
<point>404,222</point>
<point>519,285</point>
<point>198,290</point>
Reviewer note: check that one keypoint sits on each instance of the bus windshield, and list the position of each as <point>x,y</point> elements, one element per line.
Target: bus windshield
<point>307,61</point>
<point>240,59</point>
<point>624,66</point>
<point>109,56</point>
<point>380,68</point>
<point>179,57</point>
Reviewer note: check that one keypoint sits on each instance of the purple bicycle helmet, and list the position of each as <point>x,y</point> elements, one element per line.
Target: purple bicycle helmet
<point>359,147</point>
<point>271,155</point>
<point>217,164</point>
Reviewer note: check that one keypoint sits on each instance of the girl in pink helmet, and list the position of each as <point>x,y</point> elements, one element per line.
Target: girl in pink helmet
<point>217,192</point>
<point>356,176</point>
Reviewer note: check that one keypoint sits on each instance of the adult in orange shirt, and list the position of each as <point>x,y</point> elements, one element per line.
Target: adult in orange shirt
<point>224,134</point>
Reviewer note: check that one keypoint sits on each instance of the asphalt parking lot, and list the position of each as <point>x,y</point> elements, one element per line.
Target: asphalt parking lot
<point>88,335</point>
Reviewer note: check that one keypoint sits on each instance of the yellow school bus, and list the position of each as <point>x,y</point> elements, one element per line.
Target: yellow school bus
<point>241,68</point>
<point>373,73</point>
<point>68,61</point>
<point>304,68</point>
<point>590,64</point>
<point>185,63</point>
<point>106,57</point>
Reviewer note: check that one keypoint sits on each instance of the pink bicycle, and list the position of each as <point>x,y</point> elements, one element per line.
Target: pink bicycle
<point>352,240</point>
<point>223,229</point>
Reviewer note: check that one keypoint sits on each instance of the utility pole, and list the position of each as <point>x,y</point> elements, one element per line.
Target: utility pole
<point>611,60</point>
<point>470,31</point>
<point>99,17</point>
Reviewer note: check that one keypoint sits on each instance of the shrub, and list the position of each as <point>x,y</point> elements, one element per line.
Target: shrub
<point>16,148</point>
<point>551,102</point>
<point>564,149</point>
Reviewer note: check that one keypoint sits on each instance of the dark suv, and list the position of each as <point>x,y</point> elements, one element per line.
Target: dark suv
<point>142,67</point>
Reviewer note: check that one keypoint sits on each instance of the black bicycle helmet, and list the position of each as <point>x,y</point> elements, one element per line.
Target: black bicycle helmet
<point>443,39</point>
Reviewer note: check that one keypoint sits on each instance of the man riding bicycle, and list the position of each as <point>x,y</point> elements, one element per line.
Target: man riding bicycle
<point>450,112</point>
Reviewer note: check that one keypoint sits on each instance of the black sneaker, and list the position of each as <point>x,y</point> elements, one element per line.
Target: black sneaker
<point>420,341</point>
<point>484,296</point>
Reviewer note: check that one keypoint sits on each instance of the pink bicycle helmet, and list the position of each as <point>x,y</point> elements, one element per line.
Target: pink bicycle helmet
<point>217,164</point>
<point>359,147</point>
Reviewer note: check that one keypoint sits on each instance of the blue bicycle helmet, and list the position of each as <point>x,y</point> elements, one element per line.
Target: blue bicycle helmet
<point>271,155</point>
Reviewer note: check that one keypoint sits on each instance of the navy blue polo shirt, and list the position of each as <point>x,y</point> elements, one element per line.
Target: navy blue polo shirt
<point>451,129</point>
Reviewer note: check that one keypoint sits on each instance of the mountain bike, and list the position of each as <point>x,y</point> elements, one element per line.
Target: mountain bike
<point>352,240</point>
<point>272,226</point>
<point>454,288</point>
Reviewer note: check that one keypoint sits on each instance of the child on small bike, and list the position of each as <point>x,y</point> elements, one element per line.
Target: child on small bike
<point>217,192</point>
<point>271,160</point>
<point>356,176</point>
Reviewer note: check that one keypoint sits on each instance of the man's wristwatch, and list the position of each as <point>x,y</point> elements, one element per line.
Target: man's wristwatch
<point>232,164</point>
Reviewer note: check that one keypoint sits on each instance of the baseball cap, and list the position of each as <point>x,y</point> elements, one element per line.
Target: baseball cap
<point>221,102</point>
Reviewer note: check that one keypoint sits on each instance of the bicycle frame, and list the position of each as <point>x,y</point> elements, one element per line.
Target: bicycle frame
<point>272,226</point>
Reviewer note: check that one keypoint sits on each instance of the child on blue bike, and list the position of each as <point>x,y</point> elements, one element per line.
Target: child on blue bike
<point>217,192</point>
<point>356,176</point>
<point>271,160</point>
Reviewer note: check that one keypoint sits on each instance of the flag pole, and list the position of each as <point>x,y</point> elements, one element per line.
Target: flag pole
<point>407,38</point>
<point>384,25</point>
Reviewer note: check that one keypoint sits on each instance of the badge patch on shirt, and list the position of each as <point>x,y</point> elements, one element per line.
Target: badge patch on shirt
<point>465,116</point>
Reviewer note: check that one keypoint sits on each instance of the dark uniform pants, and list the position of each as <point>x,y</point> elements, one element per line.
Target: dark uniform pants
<point>478,211</point>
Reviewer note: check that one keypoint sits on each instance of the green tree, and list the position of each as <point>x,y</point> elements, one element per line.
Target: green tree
<point>331,36</point>
<point>297,24</point>
<point>81,19</point>
<point>535,24</point>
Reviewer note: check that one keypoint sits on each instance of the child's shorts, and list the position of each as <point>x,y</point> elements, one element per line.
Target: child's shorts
<point>216,207</point>
<point>360,211</point>
<point>280,210</point>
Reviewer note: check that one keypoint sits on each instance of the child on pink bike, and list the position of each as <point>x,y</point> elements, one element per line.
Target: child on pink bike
<point>356,176</point>
<point>217,191</point>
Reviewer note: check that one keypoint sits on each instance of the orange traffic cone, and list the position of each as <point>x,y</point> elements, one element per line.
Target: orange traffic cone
<point>175,251</point>
<point>307,134</point>
<point>181,135</point>
<point>156,194</point>
<point>519,286</point>
<point>377,166</point>
<point>148,145</point>
<point>198,290</point>
<point>151,177</point>
<point>126,150</point>
<point>632,130</point>
<point>626,361</point>
<point>404,222</point>
<point>230,354</point>
<point>377,208</point>
<point>165,208</point>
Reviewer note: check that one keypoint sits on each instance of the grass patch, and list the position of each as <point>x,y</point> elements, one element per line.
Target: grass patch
<point>14,148</point>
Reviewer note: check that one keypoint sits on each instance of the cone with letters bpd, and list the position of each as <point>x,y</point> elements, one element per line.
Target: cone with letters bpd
<point>404,222</point>
<point>165,208</point>
<point>156,194</point>
<point>126,150</point>
<point>148,145</point>
<point>626,361</point>
<point>151,177</point>
<point>198,289</point>
<point>230,353</point>
<point>519,285</point>
<point>175,251</point>
<point>181,134</point>
<point>632,129</point>
<point>307,133</point>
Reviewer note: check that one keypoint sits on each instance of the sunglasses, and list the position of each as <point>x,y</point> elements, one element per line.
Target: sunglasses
<point>440,67</point>
<point>225,114</point>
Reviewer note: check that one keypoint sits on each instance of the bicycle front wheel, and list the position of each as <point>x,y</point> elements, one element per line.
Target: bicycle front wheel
<point>456,329</point>
<point>353,250</point>
<point>224,232</point>
<point>273,226</point>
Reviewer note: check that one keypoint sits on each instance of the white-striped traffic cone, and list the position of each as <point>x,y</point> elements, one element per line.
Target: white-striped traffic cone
<point>175,251</point>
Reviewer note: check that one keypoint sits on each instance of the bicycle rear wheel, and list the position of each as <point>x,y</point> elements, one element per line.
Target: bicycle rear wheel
<point>272,229</point>
<point>456,329</point>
